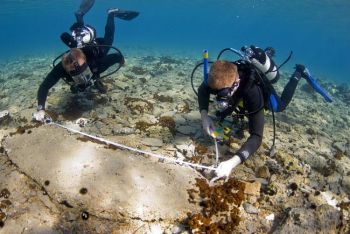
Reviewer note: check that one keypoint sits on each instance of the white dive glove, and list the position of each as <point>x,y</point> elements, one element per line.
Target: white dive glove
<point>207,123</point>
<point>39,116</point>
<point>224,169</point>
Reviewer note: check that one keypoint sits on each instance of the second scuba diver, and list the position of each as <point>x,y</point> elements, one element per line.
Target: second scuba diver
<point>249,82</point>
<point>88,57</point>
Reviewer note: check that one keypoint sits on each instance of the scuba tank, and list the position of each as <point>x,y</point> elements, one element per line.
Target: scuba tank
<point>262,62</point>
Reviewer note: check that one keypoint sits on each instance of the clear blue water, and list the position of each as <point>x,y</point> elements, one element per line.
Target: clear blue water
<point>316,31</point>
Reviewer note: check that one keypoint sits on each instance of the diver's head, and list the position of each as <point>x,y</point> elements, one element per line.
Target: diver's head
<point>270,51</point>
<point>83,35</point>
<point>224,80</point>
<point>75,64</point>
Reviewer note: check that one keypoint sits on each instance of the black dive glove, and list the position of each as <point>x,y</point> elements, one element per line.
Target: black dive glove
<point>68,40</point>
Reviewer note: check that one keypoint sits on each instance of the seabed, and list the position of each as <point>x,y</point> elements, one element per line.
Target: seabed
<point>55,181</point>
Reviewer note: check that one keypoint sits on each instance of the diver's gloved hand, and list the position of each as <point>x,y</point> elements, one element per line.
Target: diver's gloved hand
<point>225,168</point>
<point>68,40</point>
<point>207,123</point>
<point>39,116</point>
<point>258,54</point>
<point>300,68</point>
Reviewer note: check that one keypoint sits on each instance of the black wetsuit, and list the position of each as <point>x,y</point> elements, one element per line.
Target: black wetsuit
<point>254,99</point>
<point>98,60</point>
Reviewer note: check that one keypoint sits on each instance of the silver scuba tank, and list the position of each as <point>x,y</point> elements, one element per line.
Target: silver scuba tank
<point>263,63</point>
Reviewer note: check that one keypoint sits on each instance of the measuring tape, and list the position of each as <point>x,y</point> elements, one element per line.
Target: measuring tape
<point>180,162</point>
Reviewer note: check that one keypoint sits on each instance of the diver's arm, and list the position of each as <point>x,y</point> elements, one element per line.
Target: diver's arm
<point>203,101</point>
<point>203,97</point>
<point>51,79</point>
<point>254,104</point>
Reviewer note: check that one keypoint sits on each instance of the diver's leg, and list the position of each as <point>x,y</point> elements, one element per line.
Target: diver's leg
<point>276,103</point>
<point>109,30</point>
<point>289,89</point>
<point>84,7</point>
<point>109,34</point>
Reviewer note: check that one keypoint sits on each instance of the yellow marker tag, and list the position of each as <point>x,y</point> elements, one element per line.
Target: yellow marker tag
<point>205,54</point>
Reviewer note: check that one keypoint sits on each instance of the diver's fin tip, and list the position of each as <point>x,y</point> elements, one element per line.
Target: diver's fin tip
<point>123,14</point>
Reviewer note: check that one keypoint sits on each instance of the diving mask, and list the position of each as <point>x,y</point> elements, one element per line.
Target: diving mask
<point>82,75</point>
<point>223,96</point>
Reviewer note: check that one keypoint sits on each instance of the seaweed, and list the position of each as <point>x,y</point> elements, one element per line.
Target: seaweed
<point>143,126</point>
<point>22,129</point>
<point>186,108</point>
<point>168,122</point>
<point>201,149</point>
<point>133,105</point>
<point>164,121</point>
<point>220,213</point>
<point>162,98</point>
<point>169,60</point>
<point>329,169</point>
<point>138,70</point>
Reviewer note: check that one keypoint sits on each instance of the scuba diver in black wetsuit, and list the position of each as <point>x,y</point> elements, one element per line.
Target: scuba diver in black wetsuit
<point>87,59</point>
<point>250,83</point>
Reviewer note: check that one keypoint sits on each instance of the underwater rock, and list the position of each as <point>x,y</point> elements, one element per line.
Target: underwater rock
<point>4,116</point>
<point>249,208</point>
<point>296,220</point>
<point>154,142</point>
<point>137,70</point>
<point>252,188</point>
<point>345,182</point>
<point>138,105</point>
<point>186,150</point>
<point>160,132</point>
<point>74,163</point>
<point>340,145</point>
<point>187,130</point>
<point>289,162</point>
<point>122,85</point>
<point>148,119</point>
<point>163,97</point>
<point>122,130</point>
<point>183,107</point>
<point>263,172</point>
<point>328,218</point>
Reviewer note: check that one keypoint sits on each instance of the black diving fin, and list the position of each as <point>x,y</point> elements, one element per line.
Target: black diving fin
<point>124,14</point>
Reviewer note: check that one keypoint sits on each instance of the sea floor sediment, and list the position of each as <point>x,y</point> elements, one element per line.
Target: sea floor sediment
<point>150,105</point>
